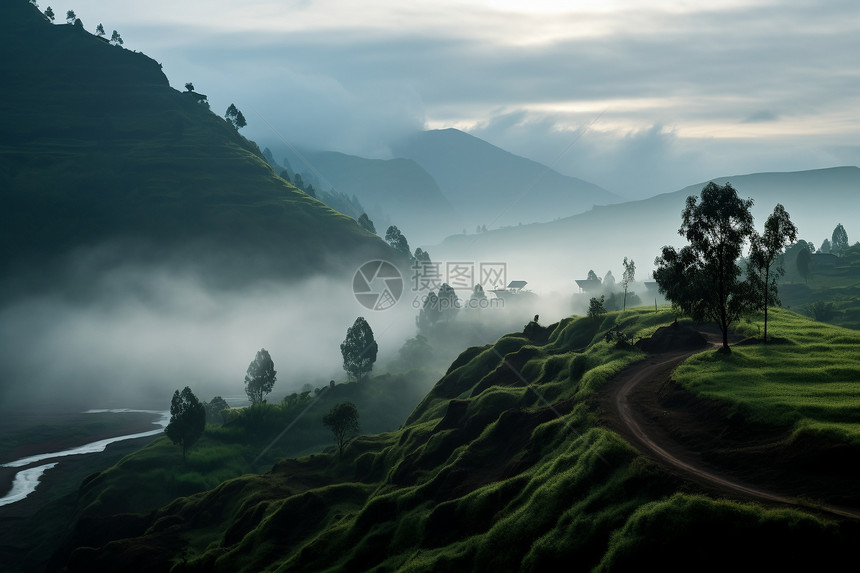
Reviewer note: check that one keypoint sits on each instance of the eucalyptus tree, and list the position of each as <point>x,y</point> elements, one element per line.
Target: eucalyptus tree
<point>627,277</point>
<point>703,278</point>
<point>260,377</point>
<point>764,269</point>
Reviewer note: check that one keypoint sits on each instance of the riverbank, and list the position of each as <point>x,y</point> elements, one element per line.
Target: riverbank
<point>30,528</point>
<point>62,437</point>
<point>32,432</point>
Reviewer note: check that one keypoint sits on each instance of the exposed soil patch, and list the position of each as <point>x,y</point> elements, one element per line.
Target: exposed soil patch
<point>701,440</point>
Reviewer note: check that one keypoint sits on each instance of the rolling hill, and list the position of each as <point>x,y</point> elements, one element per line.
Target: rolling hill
<point>506,466</point>
<point>552,255</point>
<point>97,149</point>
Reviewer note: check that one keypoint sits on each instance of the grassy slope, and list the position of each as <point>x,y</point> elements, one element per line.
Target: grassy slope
<point>483,476</point>
<point>808,377</point>
<point>156,474</point>
<point>95,145</point>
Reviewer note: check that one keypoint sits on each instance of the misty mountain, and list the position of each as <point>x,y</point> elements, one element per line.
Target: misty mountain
<point>393,192</point>
<point>552,255</point>
<point>99,149</point>
<point>490,186</point>
<point>310,184</point>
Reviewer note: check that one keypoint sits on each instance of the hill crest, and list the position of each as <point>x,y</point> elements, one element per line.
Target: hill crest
<point>98,148</point>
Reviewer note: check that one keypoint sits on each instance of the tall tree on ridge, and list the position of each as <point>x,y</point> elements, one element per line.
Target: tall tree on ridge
<point>260,377</point>
<point>398,242</point>
<point>359,349</point>
<point>627,277</point>
<point>765,249</point>
<point>702,278</point>
<point>234,117</point>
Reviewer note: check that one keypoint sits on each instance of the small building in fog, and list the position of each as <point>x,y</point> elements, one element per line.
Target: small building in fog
<point>589,285</point>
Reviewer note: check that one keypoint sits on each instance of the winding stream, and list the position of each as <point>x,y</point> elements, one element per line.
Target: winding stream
<point>25,483</point>
<point>26,480</point>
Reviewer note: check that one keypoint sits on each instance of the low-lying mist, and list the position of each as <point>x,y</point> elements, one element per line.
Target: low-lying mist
<point>146,331</point>
<point>143,330</point>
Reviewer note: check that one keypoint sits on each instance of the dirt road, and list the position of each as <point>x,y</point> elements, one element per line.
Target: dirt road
<point>626,418</point>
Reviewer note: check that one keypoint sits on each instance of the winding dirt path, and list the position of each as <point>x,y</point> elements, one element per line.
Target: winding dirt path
<point>632,425</point>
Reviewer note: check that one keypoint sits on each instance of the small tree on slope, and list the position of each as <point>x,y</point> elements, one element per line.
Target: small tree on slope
<point>342,420</point>
<point>187,419</point>
<point>359,349</point>
<point>260,377</point>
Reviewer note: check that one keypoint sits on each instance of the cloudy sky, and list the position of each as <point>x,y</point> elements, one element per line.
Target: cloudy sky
<point>639,97</point>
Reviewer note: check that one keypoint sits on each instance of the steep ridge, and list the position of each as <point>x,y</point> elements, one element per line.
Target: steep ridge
<point>96,148</point>
<point>503,466</point>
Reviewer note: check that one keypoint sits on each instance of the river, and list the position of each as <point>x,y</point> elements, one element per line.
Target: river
<point>26,480</point>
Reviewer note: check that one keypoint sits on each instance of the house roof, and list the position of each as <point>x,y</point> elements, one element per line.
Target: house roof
<point>517,284</point>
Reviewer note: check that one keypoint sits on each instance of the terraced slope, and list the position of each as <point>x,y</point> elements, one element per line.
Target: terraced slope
<point>97,149</point>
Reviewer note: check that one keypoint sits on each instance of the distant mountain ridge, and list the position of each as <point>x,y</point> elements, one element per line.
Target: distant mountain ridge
<point>446,181</point>
<point>552,255</point>
<point>98,148</point>
<point>393,192</point>
<point>493,187</point>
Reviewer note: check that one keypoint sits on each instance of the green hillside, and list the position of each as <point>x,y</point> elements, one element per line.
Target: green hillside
<point>506,466</point>
<point>96,147</point>
<point>806,379</point>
